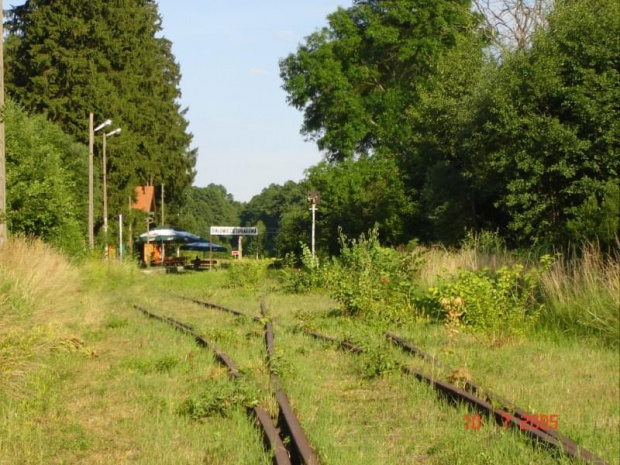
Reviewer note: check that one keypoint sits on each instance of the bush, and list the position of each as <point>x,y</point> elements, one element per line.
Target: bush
<point>219,399</point>
<point>247,274</point>
<point>499,304</point>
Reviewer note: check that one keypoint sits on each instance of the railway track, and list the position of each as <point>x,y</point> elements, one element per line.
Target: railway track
<point>288,430</point>
<point>507,415</point>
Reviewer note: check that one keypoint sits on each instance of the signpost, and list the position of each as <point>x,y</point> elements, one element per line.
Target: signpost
<point>232,231</point>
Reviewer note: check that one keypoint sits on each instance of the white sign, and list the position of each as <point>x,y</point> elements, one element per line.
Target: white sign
<point>234,230</point>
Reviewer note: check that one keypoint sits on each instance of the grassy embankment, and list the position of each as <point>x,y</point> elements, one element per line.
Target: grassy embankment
<point>87,379</point>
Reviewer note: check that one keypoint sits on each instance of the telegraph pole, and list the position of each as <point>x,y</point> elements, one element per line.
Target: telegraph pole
<point>3,232</point>
<point>313,199</point>
<point>91,219</point>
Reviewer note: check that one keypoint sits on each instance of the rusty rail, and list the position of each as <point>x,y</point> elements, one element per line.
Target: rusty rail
<point>220,307</point>
<point>501,417</point>
<point>301,450</point>
<point>511,413</point>
<point>271,436</point>
<point>564,442</point>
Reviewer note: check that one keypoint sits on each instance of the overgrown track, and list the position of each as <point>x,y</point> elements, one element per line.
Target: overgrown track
<point>287,420</point>
<point>561,441</point>
<point>508,416</point>
<point>270,433</point>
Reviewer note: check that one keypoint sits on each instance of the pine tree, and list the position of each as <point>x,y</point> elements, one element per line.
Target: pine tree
<point>66,58</point>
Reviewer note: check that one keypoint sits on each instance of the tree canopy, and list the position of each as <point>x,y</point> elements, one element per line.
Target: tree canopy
<point>66,58</point>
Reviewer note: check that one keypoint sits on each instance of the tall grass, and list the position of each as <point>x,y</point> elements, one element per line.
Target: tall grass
<point>439,262</point>
<point>582,294</point>
<point>36,286</point>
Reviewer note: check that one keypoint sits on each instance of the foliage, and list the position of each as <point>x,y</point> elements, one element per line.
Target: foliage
<point>221,396</point>
<point>282,211</point>
<point>357,195</point>
<point>66,59</point>
<point>247,274</point>
<point>46,178</point>
<point>582,294</point>
<point>355,78</point>
<point>499,305</point>
<point>526,144</point>
<point>366,279</point>
<point>203,207</point>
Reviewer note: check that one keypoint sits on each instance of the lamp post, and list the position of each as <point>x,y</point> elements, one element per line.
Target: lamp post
<point>91,143</point>
<point>3,228</point>
<point>105,178</point>
<point>313,199</point>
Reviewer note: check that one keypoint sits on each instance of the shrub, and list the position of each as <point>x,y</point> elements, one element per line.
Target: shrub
<point>221,396</point>
<point>498,304</point>
<point>582,294</point>
<point>247,274</point>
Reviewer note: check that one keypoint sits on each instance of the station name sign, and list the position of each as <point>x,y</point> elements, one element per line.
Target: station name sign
<point>234,231</point>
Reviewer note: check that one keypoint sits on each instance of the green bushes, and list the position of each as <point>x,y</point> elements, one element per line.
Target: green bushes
<point>221,396</point>
<point>367,279</point>
<point>498,304</point>
<point>247,274</point>
<point>582,295</point>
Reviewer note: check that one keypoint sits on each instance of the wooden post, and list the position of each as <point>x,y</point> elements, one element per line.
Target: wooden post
<point>240,247</point>
<point>104,162</point>
<point>91,136</point>
<point>3,229</point>
<point>130,238</point>
<point>210,251</point>
<point>162,206</point>
<point>120,236</point>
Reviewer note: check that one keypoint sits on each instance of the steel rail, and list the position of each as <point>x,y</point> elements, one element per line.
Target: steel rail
<point>220,307</point>
<point>550,437</point>
<point>301,450</point>
<point>568,445</point>
<point>271,436</point>
<point>501,417</point>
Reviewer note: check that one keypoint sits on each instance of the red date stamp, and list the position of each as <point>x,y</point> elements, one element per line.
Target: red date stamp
<point>528,422</point>
<point>531,422</point>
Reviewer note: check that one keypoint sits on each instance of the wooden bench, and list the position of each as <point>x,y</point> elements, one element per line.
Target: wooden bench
<point>204,264</point>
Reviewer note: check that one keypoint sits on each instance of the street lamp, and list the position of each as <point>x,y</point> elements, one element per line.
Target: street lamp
<point>313,199</point>
<point>91,143</point>
<point>105,179</point>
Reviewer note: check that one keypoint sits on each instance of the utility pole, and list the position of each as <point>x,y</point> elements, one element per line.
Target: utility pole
<point>313,198</point>
<point>3,230</point>
<point>162,205</point>
<point>91,143</point>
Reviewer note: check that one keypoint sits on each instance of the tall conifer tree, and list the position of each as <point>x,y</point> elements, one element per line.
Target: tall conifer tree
<point>67,58</point>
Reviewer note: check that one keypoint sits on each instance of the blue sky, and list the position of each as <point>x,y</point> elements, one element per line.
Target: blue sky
<point>247,136</point>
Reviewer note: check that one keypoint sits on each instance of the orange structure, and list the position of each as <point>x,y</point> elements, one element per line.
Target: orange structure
<point>145,199</point>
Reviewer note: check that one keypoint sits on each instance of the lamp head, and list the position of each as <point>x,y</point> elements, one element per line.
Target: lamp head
<point>103,125</point>
<point>114,133</point>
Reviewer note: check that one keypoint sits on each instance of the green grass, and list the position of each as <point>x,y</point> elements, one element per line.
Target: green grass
<point>105,384</point>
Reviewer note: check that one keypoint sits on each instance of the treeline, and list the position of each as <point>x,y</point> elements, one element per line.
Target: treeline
<point>431,130</point>
<point>65,59</point>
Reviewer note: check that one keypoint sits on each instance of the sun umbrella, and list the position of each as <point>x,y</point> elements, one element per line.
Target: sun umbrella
<point>203,246</point>
<point>169,235</point>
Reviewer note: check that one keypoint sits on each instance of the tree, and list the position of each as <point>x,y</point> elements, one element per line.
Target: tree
<point>67,58</point>
<point>356,196</point>
<point>269,208</point>
<point>204,207</point>
<point>553,131</point>
<point>45,181</point>
<point>355,79</point>
<point>511,24</point>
